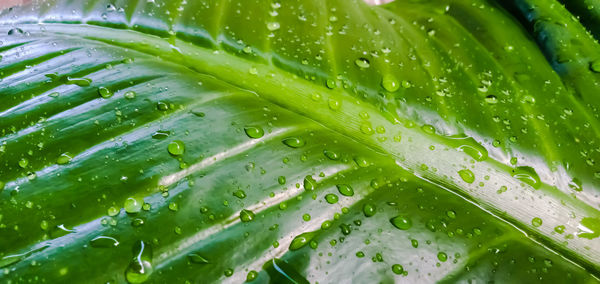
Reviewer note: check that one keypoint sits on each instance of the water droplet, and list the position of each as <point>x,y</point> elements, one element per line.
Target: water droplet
<point>331,155</point>
<point>113,211</point>
<point>54,94</point>
<point>536,222</point>
<point>397,269</point>
<point>162,106</point>
<point>254,132</point>
<point>331,198</point>
<point>442,256</point>
<point>239,194</point>
<point>281,180</point>
<point>451,214</point>
<point>161,134</point>
<point>591,228</point>
<point>559,229</point>
<point>281,272</point>
<point>491,99</point>
<point>334,104</point>
<point>362,63</point>
<point>595,66</point>
<point>130,95</point>
<point>414,243</point>
<point>390,83</point>
<point>468,145</point>
<point>140,267</point>
<point>15,31</point>
<point>345,189</point>
<point>64,158</point>
<point>309,183</point>
<point>23,163</point>
<point>132,205</point>
<point>252,274</point>
<point>401,222</point>
<point>302,240</point>
<point>361,161</point>
<point>294,142</point>
<point>104,92</point>
<point>197,258</point>
<point>575,184</point>
<point>228,272</point>
<point>273,26</point>
<point>369,209</point>
<point>104,242</point>
<point>246,215</point>
<point>331,84</point>
<point>176,148</point>
<point>527,175</point>
<point>467,175</point>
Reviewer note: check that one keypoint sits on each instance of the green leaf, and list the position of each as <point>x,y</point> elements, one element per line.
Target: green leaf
<point>298,141</point>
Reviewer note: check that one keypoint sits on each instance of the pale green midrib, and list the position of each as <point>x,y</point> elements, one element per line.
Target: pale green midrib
<point>226,65</point>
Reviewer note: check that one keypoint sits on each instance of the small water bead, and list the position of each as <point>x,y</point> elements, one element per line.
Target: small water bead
<point>130,95</point>
<point>105,92</point>
<point>331,84</point>
<point>390,83</point>
<point>397,269</point>
<point>251,276</point>
<point>173,206</point>
<point>331,198</point>
<point>294,142</point>
<point>536,222</point>
<point>362,63</point>
<point>228,272</point>
<point>306,217</point>
<point>467,175</point>
<point>345,189</point>
<point>254,132</point>
<point>246,215</point>
<point>334,104</point>
<point>451,214</point>
<point>132,205</point>
<point>113,211</point>
<point>281,180</point>
<point>406,84</point>
<point>64,158</point>
<point>560,229</point>
<point>273,26</point>
<point>239,194</point>
<point>442,256</point>
<point>360,254</point>
<point>401,222</point>
<point>176,148</point>
<point>575,184</point>
<point>491,99</point>
<point>162,106</point>
<point>23,163</point>
<point>414,243</point>
<point>369,209</point>
<point>81,82</point>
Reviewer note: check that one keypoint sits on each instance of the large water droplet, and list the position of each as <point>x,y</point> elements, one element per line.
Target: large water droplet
<point>294,142</point>
<point>176,148</point>
<point>401,222</point>
<point>345,189</point>
<point>390,83</point>
<point>467,175</point>
<point>302,240</point>
<point>362,63</point>
<point>246,215</point>
<point>140,267</point>
<point>527,175</point>
<point>254,132</point>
